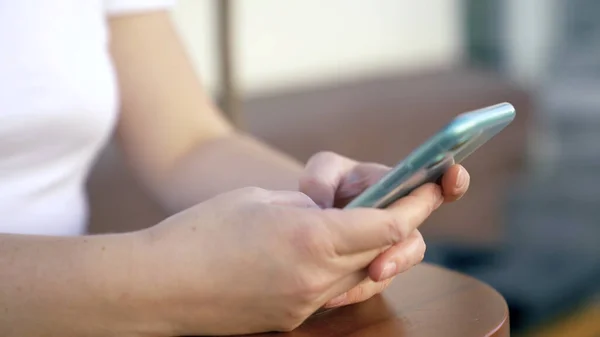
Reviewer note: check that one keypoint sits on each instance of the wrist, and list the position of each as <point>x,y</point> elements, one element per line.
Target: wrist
<point>119,274</point>
<point>170,294</point>
<point>80,286</point>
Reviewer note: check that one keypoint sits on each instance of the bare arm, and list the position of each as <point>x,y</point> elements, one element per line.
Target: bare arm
<point>175,139</point>
<point>70,286</point>
<point>182,148</point>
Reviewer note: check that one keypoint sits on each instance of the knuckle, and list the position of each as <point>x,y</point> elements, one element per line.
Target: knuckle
<point>397,229</point>
<point>310,289</point>
<point>324,155</point>
<point>402,262</point>
<point>407,260</point>
<point>309,242</point>
<point>303,292</point>
<point>253,191</point>
<point>300,288</point>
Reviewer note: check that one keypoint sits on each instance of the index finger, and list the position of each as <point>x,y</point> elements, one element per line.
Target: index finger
<point>364,229</point>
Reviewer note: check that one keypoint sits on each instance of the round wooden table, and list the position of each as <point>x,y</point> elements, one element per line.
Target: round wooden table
<point>426,301</point>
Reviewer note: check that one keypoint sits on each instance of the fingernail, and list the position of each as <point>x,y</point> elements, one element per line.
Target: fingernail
<point>388,271</point>
<point>337,301</point>
<point>461,179</point>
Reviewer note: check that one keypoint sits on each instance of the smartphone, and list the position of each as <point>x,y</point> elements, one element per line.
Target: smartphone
<point>451,145</point>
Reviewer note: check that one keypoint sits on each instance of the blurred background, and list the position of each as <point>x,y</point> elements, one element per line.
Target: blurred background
<point>373,79</point>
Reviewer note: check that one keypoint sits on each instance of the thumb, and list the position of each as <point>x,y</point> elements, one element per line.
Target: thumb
<point>359,179</point>
<point>323,175</point>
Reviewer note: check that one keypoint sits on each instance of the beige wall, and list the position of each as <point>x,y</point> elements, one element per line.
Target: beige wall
<point>303,42</point>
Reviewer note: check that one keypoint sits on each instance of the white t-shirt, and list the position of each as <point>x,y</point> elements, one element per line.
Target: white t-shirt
<point>58,106</point>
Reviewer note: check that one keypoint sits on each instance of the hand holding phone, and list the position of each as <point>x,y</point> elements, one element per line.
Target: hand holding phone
<point>451,145</point>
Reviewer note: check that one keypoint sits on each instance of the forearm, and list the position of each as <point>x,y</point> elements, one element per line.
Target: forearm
<point>225,164</point>
<point>175,139</point>
<point>69,286</point>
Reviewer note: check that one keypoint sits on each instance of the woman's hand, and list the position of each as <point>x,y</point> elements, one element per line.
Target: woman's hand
<point>254,260</point>
<point>332,180</point>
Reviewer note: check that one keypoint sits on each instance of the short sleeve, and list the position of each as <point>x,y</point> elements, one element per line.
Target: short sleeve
<point>120,7</point>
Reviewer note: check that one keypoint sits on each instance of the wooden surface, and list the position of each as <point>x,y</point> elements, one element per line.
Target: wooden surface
<point>427,301</point>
